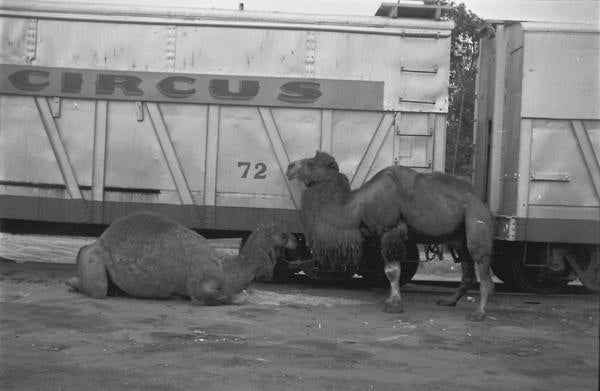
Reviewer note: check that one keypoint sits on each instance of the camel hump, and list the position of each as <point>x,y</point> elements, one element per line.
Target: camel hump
<point>451,181</point>
<point>148,228</point>
<point>407,175</point>
<point>143,221</point>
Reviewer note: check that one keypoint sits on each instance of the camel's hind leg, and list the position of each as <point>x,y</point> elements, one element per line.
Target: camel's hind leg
<point>479,232</point>
<point>468,277</point>
<point>393,250</point>
<point>91,277</point>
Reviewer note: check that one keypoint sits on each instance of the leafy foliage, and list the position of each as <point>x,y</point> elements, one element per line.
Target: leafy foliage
<point>463,72</point>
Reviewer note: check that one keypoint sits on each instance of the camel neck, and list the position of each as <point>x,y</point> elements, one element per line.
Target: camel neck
<point>241,269</point>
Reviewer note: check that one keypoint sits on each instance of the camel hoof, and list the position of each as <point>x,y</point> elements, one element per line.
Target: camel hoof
<point>446,302</point>
<point>393,306</point>
<point>476,316</point>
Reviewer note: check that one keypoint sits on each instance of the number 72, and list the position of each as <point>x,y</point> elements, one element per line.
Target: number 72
<point>260,168</point>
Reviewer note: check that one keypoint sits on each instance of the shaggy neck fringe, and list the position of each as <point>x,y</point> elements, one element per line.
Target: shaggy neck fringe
<point>331,231</point>
<point>327,240</point>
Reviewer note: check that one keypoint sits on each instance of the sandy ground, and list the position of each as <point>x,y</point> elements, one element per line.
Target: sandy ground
<point>298,336</point>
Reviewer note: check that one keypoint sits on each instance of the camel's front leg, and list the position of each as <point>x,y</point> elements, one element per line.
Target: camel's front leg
<point>393,250</point>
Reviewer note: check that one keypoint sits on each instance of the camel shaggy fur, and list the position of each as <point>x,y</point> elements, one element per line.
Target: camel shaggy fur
<point>395,205</point>
<point>148,255</point>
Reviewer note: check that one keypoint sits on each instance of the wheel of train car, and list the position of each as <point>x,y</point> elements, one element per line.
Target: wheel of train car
<point>533,276</point>
<point>371,266</point>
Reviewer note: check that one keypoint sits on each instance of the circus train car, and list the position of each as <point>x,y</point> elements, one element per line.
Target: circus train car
<point>537,151</point>
<point>196,113</point>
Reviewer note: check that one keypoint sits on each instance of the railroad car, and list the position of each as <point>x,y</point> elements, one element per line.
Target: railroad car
<point>537,151</point>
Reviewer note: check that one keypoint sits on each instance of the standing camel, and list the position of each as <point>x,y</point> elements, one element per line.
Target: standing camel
<point>395,205</point>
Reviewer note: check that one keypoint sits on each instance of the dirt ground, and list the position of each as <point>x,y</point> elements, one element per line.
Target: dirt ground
<point>297,336</point>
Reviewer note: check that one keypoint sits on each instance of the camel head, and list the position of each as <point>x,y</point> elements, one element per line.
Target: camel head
<point>265,246</point>
<point>313,170</point>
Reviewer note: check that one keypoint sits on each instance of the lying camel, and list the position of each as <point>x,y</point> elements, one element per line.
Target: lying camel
<point>395,205</point>
<point>147,255</point>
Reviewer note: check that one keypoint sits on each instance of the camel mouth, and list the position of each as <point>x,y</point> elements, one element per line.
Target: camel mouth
<point>292,173</point>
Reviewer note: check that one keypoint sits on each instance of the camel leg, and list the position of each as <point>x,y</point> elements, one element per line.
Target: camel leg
<point>468,279</point>
<point>478,227</point>
<point>92,276</point>
<point>393,250</point>
<point>486,287</point>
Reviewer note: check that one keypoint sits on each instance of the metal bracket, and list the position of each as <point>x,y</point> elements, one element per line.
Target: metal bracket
<point>426,101</point>
<point>510,228</point>
<point>550,176</point>
<point>511,177</point>
<point>139,111</point>
<point>432,70</point>
<point>54,104</point>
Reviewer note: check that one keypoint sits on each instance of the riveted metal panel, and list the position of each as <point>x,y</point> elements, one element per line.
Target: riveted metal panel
<point>410,57</point>
<point>187,129</point>
<point>352,133</point>
<point>567,85</point>
<point>300,130</point>
<point>561,177</point>
<point>241,51</point>
<point>77,134</point>
<point>14,40</point>
<point>415,70</point>
<point>133,158</point>
<point>26,153</point>
<point>79,44</point>
<point>247,163</point>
